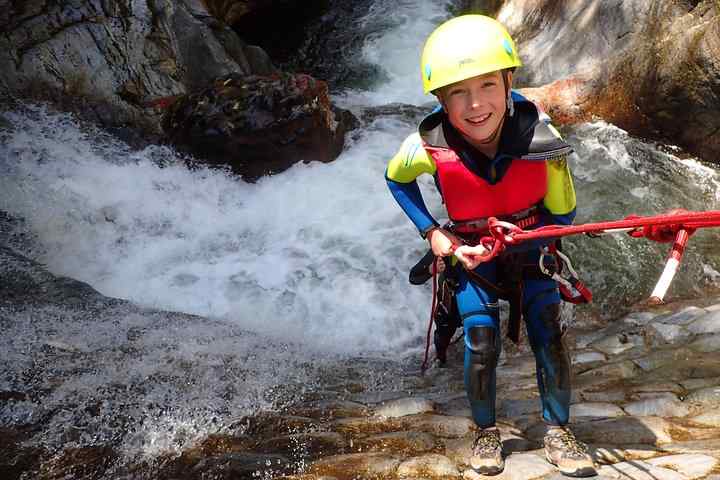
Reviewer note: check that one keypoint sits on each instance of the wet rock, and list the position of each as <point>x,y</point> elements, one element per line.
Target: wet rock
<point>666,405</point>
<point>595,410</point>
<point>259,125</point>
<point>521,466</point>
<point>709,323</point>
<point>613,344</point>
<point>396,442</point>
<point>638,470</point>
<point>710,447</point>
<point>116,61</point>
<point>604,396</point>
<point>78,462</point>
<point>660,75</point>
<point>516,408</point>
<point>609,454</point>
<point>657,387</point>
<point>706,343</point>
<point>698,383</point>
<point>404,406</point>
<point>241,465</point>
<point>588,357</point>
<point>683,317</point>
<point>523,366</point>
<point>310,444</point>
<point>430,465</point>
<point>369,398</point>
<point>704,399</point>
<point>691,465</point>
<point>711,419</point>
<point>356,465</point>
<point>444,426</point>
<point>618,431</point>
<point>639,318</point>
<point>411,113</point>
<point>661,333</point>
<point>329,409</point>
<point>662,358</point>
<point>272,424</point>
<point>624,369</point>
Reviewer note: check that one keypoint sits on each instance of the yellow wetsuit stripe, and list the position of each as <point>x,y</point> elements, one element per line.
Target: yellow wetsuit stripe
<point>411,161</point>
<point>560,196</point>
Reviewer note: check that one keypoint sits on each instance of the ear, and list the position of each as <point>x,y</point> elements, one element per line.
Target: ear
<point>509,74</point>
<point>441,100</point>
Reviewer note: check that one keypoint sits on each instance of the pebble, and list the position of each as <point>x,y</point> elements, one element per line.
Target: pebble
<point>663,405</point>
<point>403,407</point>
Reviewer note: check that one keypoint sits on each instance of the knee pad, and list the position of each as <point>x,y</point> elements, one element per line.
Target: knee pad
<point>484,350</point>
<point>550,319</point>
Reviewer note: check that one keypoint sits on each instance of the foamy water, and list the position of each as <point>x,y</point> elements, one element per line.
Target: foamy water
<point>289,276</point>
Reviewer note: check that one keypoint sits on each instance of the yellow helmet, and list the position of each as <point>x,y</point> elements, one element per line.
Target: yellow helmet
<point>465,47</point>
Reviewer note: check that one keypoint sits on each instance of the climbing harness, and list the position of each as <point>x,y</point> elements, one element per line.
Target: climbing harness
<point>559,268</point>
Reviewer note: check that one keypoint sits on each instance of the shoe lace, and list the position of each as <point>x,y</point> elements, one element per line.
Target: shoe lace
<point>569,442</point>
<point>487,441</point>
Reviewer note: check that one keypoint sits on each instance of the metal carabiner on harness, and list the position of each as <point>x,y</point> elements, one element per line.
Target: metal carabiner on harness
<point>572,289</point>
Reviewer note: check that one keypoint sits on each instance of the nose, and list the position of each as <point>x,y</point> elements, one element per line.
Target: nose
<point>476,99</point>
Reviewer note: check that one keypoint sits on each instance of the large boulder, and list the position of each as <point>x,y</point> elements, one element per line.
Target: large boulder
<point>650,67</point>
<point>113,59</point>
<point>259,125</point>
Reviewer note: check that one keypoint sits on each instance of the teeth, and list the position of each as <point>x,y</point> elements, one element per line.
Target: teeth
<point>479,119</point>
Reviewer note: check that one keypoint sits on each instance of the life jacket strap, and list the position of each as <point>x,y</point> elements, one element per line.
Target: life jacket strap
<point>524,219</point>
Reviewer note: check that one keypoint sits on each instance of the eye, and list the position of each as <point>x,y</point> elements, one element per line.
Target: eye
<point>489,84</point>
<point>456,91</point>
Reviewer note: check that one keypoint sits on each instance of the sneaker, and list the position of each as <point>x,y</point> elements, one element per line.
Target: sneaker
<point>566,452</point>
<point>487,456</point>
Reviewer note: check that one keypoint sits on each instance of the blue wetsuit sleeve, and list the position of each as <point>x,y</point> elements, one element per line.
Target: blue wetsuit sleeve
<point>410,199</point>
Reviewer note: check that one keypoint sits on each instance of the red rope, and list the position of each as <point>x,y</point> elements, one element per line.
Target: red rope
<point>508,234</point>
<point>424,365</point>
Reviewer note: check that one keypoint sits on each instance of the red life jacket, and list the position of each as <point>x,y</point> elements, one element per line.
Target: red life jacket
<point>470,198</point>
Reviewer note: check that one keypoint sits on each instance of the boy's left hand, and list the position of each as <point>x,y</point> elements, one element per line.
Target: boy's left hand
<point>471,257</point>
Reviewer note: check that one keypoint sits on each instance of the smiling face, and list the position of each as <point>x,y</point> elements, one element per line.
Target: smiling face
<point>476,108</point>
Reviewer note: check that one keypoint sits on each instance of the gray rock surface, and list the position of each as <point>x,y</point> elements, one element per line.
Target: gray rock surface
<point>117,58</point>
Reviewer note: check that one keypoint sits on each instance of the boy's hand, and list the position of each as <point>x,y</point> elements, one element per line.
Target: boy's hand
<point>442,242</point>
<point>471,257</point>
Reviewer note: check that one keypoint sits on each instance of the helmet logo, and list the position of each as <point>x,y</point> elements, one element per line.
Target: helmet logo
<point>428,71</point>
<point>508,47</point>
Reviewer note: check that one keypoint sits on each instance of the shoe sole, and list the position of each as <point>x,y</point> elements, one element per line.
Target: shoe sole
<point>577,473</point>
<point>489,471</point>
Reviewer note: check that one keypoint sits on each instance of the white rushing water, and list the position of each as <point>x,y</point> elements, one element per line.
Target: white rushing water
<point>314,259</point>
<point>313,262</point>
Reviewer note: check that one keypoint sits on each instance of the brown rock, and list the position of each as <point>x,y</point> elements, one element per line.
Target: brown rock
<point>259,125</point>
<point>356,465</point>
<point>661,81</point>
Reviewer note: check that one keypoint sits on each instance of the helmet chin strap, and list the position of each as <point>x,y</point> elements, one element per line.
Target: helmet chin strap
<point>509,110</point>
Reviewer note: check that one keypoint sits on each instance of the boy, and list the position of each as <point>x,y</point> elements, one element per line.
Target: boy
<point>493,155</point>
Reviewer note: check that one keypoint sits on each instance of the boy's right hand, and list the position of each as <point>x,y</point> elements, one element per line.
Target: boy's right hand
<point>442,242</point>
